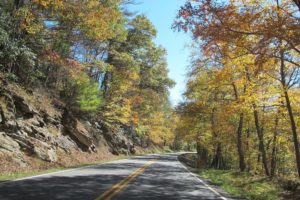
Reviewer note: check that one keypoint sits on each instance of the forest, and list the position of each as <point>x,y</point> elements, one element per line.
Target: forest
<point>242,97</point>
<point>96,56</point>
<point>100,66</point>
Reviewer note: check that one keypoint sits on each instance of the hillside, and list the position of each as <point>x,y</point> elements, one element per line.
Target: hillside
<point>36,127</point>
<point>79,82</point>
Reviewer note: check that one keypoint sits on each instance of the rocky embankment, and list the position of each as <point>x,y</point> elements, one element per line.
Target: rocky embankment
<point>36,128</point>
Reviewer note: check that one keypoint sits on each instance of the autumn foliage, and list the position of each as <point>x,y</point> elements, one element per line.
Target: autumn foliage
<point>94,55</point>
<point>243,90</point>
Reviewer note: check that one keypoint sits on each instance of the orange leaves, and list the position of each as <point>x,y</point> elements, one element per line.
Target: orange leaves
<point>135,118</point>
<point>197,31</point>
<point>249,59</point>
<point>185,13</point>
<point>136,100</point>
<point>73,67</point>
<point>53,57</point>
<point>135,103</point>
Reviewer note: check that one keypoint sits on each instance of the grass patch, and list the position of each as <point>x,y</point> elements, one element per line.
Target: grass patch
<point>16,175</point>
<point>243,185</point>
<point>33,172</point>
<point>23,174</point>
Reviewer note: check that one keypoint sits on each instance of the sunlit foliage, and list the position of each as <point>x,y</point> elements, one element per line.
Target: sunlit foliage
<point>243,88</point>
<point>93,56</point>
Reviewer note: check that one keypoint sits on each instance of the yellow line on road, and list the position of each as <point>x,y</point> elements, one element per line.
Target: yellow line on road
<point>118,187</point>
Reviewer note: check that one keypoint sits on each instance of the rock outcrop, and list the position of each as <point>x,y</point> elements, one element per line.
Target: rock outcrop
<point>76,130</point>
<point>36,127</point>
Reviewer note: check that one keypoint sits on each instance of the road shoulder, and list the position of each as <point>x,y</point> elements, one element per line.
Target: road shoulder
<point>214,188</point>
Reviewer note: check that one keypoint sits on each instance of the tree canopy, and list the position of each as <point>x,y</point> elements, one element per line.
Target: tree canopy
<point>100,60</point>
<point>243,84</point>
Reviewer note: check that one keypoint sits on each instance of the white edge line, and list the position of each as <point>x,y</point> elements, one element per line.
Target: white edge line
<point>201,181</point>
<point>58,172</point>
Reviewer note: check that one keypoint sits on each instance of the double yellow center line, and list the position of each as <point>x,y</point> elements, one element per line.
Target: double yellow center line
<point>115,189</point>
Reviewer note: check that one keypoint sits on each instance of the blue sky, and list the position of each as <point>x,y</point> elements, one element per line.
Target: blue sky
<point>162,14</point>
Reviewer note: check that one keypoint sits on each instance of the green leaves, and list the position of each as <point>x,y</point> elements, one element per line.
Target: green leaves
<point>96,58</point>
<point>141,32</point>
<point>13,51</point>
<point>138,94</point>
<point>245,53</point>
<point>88,94</point>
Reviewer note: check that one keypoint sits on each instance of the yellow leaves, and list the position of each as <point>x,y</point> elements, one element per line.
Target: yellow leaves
<point>28,21</point>
<point>49,3</point>
<point>157,129</point>
<point>281,139</point>
<point>120,107</point>
<point>94,19</point>
<point>99,65</point>
<point>124,81</point>
<point>246,62</point>
<point>97,21</point>
<point>117,110</point>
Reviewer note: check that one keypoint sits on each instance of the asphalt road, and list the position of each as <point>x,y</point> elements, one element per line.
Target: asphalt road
<point>158,177</point>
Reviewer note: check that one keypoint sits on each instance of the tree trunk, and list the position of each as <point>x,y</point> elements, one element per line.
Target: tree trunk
<point>240,144</point>
<point>240,149</point>
<point>247,148</point>
<point>202,156</point>
<point>274,147</point>
<point>216,163</point>
<point>259,131</point>
<point>294,130</point>
<point>106,83</point>
<point>297,2</point>
<point>290,112</point>
<point>18,3</point>
<point>261,141</point>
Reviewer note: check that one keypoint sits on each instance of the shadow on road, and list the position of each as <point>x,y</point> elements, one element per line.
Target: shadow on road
<point>165,179</point>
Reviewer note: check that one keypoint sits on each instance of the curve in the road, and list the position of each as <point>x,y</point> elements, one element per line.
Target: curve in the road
<point>138,178</point>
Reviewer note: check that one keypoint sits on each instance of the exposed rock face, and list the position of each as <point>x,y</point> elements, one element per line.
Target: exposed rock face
<point>119,141</point>
<point>7,144</point>
<point>39,130</point>
<point>66,144</point>
<point>78,132</point>
<point>23,108</point>
<point>10,147</point>
<point>44,151</point>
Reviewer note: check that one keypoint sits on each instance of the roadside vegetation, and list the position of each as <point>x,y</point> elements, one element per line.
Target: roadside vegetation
<point>241,107</point>
<point>244,185</point>
<point>37,167</point>
<point>108,80</point>
<point>33,171</point>
<point>242,97</point>
<point>99,59</point>
<point>94,63</point>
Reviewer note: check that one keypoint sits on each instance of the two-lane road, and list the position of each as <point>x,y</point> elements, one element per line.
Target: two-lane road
<point>159,177</point>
